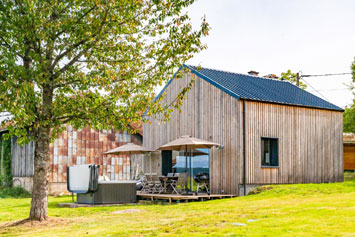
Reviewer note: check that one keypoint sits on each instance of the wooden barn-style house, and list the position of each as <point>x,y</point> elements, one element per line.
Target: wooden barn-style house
<point>73,147</point>
<point>271,131</point>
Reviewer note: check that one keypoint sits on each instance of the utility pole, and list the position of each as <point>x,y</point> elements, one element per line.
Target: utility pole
<point>298,79</point>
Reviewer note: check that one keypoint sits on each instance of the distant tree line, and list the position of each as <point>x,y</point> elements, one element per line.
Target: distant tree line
<point>349,114</point>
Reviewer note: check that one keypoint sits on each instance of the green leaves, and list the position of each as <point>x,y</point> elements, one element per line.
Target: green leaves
<point>349,119</point>
<point>92,62</point>
<point>292,77</point>
<point>349,113</point>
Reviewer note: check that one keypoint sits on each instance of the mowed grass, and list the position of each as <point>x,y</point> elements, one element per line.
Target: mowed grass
<point>287,210</point>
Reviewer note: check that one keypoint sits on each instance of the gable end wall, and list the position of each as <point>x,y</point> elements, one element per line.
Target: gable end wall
<point>207,113</point>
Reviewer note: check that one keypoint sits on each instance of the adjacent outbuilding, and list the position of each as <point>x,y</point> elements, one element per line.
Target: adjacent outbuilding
<point>349,151</point>
<point>74,147</point>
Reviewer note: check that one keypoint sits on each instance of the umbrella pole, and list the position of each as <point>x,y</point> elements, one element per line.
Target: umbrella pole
<point>191,174</point>
<point>130,166</point>
<point>186,171</point>
<point>150,161</point>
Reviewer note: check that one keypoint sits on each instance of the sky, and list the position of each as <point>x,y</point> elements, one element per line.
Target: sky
<point>272,36</point>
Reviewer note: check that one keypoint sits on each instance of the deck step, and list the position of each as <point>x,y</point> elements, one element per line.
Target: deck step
<point>175,197</point>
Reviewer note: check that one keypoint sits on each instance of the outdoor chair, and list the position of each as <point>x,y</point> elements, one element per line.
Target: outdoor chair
<point>179,184</point>
<point>150,183</point>
<point>145,185</point>
<point>158,187</point>
<point>173,184</point>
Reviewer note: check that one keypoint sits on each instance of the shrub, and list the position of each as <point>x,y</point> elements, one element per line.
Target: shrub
<point>349,176</point>
<point>260,189</point>
<point>5,159</point>
<point>14,192</point>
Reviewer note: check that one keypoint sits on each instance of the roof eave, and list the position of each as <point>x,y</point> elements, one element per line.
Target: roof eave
<point>164,88</point>
<point>297,105</point>
<point>219,86</point>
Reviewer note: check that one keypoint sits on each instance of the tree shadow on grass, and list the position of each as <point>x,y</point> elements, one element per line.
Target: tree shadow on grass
<point>51,221</point>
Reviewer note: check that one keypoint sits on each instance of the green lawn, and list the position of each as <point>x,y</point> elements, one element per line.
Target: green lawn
<point>288,210</point>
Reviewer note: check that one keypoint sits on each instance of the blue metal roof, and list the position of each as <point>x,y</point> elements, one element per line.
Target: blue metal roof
<point>242,86</point>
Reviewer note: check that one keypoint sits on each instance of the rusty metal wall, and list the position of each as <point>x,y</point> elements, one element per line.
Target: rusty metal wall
<point>87,146</point>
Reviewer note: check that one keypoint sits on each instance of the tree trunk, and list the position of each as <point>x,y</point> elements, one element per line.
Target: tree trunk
<point>40,189</point>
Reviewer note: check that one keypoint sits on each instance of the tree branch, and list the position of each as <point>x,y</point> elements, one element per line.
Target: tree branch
<point>77,57</point>
<point>78,20</point>
<point>8,46</point>
<point>105,61</point>
<point>81,115</point>
<point>2,78</point>
<point>78,44</point>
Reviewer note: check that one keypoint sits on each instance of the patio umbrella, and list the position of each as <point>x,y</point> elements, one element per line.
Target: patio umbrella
<point>187,142</point>
<point>128,149</point>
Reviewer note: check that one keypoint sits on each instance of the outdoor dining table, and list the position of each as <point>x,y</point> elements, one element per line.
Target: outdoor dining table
<point>165,180</point>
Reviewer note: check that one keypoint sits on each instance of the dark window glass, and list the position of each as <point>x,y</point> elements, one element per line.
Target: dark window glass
<point>269,152</point>
<point>166,162</point>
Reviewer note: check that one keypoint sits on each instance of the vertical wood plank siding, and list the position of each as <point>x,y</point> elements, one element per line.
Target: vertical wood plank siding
<point>22,159</point>
<point>310,143</point>
<point>310,140</point>
<point>209,114</point>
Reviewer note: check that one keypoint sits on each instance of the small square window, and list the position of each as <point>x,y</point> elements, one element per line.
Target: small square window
<point>269,152</point>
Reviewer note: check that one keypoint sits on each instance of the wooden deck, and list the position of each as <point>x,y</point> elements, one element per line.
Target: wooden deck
<point>185,198</point>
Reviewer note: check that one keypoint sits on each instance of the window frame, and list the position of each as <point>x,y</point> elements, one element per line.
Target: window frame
<point>263,153</point>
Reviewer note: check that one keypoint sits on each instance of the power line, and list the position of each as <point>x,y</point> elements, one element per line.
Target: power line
<point>335,89</point>
<point>314,89</point>
<point>301,77</point>
<point>328,74</point>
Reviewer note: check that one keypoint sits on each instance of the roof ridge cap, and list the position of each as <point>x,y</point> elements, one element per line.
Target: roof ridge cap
<point>238,73</point>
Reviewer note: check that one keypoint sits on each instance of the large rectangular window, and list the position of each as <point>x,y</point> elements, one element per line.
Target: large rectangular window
<point>269,152</point>
<point>192,164</point>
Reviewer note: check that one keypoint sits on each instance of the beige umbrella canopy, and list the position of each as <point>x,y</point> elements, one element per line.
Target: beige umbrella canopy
<point>187,142</point>
<point>128,148</point>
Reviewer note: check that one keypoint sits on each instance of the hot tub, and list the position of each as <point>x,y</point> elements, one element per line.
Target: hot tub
<point>110,192</point>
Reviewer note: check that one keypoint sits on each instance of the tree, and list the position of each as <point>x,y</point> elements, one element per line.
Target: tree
<point>349,119</point>
<point>292,77</point>
<point>87,62</point>
<point>349,113</point>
